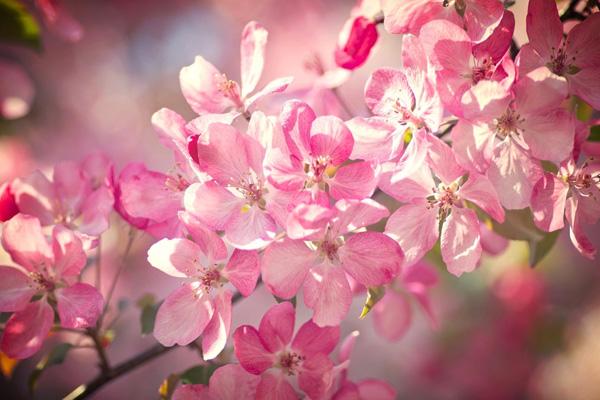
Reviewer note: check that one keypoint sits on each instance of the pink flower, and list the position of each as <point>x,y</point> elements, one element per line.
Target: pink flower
<point>16,91</point>
<point>313,156</point>
<point>238,198</point>
<point>355,41</point>
<point>50,270</point>
<point>392,315</point>
<point>8,205</point>
<point>192,310</point>
<point>460,64</point>
<point>572,194</point>
<point>320,262</point>
<point>208,91</point>
<point>78,195</point>
<point>506,134</point>
<point>229,382</point>
<point>272,352</point>
<point>435,190</point>
<point>480,17</point>
<point>406,96</point>
<point>575,57</point>
<point>345,389</point>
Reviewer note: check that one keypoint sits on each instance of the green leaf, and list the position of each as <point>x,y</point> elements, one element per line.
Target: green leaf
<point>199,374</point>
<point>374,294</point>
<point>148,317</point>
<point>518,225</point>
<point>56,356</point>
<point>594,134</point>
<point>539,250</point>
<point>281,300</point>
<point>18,26</point>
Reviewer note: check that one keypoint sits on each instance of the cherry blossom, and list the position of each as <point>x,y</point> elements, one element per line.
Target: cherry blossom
<point>48,269</point>
<point>277,355</point>
<point>229,382</point>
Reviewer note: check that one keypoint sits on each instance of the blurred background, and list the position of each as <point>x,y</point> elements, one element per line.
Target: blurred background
<point>504,332</point>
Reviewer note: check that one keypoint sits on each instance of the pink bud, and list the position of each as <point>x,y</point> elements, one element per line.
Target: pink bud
<point>356,39</point>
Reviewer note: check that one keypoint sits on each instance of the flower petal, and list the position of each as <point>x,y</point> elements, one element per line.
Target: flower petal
<point>312,339</point>
<point>480,191</point>
<point>277,326</point>
<point>392,316</point>
<point>548,201</point>
<point>285,265</point>
<point>353,181</point>
<point>544,29</point>
<point>460,241</point>
<point>250,350</point>
<point>15,289</point>
<point>183,316</point>
<point>68,250</point>
<point>79,306</point>
<point>243,270</point>
<point>327,293</point>
<point>23,239</point>
<point>254,41</point>
<point>214,337</point>
<point>329,137</point>
<point>176,257</point>
<point>232,382</point>
<point>26,330</point>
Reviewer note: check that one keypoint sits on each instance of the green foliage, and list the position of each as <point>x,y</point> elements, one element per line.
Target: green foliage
<point>56,356</point>
<point>18,26</point>
<point>374,294</point>
<point>147,303</point>
<point>199,374</point>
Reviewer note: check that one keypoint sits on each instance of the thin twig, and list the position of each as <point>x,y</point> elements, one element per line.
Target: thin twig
<point>104,364</point>
<point>99,265</point>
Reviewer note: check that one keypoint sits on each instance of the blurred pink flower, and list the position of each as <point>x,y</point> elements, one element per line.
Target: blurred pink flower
<point>16,91</point>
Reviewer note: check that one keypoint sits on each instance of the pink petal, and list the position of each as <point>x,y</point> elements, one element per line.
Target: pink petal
<point>375,139</point>
<point>485,101</point>
<point>528,59</point>
<point>250,350</point>
<point>544,29</point>
<point>473,145</point>
<point>367,266</point>
<point>243,270</point>
<point>60,21</point>
<point>16,289</point>
<point>285,265</point>
<point>275,86</point>
<point>312,339</point>
<point>376,390</point>
<point>442,160</point>
<point>206,89</point>
<point>254,41</point>
<point>415,228</point>
<point>347,346</point>
<point>8,205</point>
<point>308,220</point>
<point>498,43</point>
<point>69,255</point>
<point>407,16</point>
<point>460,241</point>
<point>277,326</point>
<point>70,186</point>
<point>274,386</point>
<point>482,17</point>
<point>250,229</point>
<point>386,89</point>
<point>353,181</point>
<point>447,45</point>
<point>79,306</point>
<point>355,214</point>
<point>548,202</point>
<point>550,135</point>
<point>296,120</point>
<point>23,239</point>
<point>191,392</point>
<point>183,316</point>
<point>35,195</point>
<point>229,155</point>
<point>145,194</point>
<point>582,43</point>
<point>330,137</point>
<point>26,330</point>
<point>212,204</point>
<point>480,191</point>
<point>315,376</point>
<point>95,211</point>
<point>327,293</point>
<point>176,257</point>
<point>586,84</point>
<point>539,92</point>
<point>209,241</point>
<point>491,242</point>
<point>513,173</point>
<point>232,382</point>
<point>392,316</point>
<point>357,38</point>
<point>214,337</point>
<point>578,237</point>
<point>417,279</point>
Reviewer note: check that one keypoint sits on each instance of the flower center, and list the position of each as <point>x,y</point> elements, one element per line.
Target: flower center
<point>319,169</point>
<point>328,249</point>
<point>560,64</point>
<point>290,362</point>
<point>508,124</point>
<point>228,88</point>
<point>483,70</point>
<point>42,282</point>
<point>444,197</point>
<point>208,278</point>
<point>176,182</point>
<point>251,188</point>
<point>583,182</point>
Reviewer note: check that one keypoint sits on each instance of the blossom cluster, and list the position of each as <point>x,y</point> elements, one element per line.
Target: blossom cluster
<point>459,136</point>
